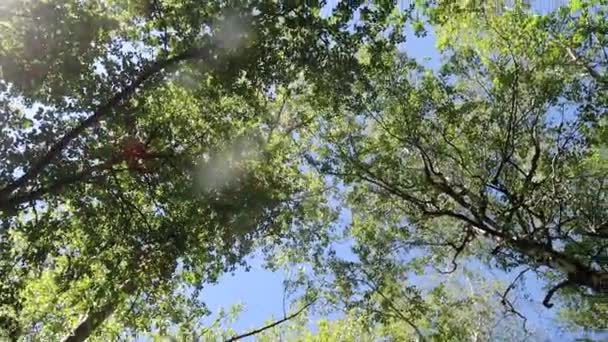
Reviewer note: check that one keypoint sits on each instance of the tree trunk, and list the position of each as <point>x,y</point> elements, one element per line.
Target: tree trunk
<point>95,317</point>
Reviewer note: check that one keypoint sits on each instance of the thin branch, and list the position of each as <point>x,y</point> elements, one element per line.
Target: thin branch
<point>577,60</point>
<point>547,301</point>
<point>271,325</point>
<point>505,301</point>
<point>57,148</point>
<point>376,288</point>
<point>470,236</point>
<point>512,285</point>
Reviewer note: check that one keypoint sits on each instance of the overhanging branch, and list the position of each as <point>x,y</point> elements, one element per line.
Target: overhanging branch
<point>547,301</point>
<point>56,149</point>
<point>506,302</point>
<point>271,325</point>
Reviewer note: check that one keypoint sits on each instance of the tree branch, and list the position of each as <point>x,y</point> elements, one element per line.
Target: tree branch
<point>577,60</point>
<point>95,318</point>
<point>86,174</point>
<point>19,198</point>
<point>547,301</point>
<point>505,301</point>
<point>101,111</point>
<point>470,236</point>
<point>376,288</point>
<point>271,325</point>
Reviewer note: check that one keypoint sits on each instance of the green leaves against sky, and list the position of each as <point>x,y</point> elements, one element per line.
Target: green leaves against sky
<point>150,146</point>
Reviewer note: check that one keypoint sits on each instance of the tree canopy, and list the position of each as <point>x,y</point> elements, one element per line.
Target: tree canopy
<point>150,146</point>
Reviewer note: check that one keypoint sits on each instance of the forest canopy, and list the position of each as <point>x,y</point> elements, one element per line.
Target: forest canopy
<point>148,147</point>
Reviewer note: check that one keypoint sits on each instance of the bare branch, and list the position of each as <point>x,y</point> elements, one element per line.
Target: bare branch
<point>459,249</point>
<point>271,325</point>
<point>505,301</point>
<point>547,301</point>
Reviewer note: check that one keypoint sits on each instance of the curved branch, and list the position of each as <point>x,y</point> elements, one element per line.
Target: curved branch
<point>459,249</point>
<point>271,325</point>
<point>547,301</point>
<point>506,302</point>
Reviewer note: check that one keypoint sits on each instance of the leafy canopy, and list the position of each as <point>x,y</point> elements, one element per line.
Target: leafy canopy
<point>149,146</point>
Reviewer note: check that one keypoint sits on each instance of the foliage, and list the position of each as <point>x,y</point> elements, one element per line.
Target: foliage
<point>144,153</point>
<point>450,314</point>
<point>150,146</point>
<point>496,155</point>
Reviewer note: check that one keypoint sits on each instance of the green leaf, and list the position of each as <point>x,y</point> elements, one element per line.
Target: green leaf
<point>575,5</point>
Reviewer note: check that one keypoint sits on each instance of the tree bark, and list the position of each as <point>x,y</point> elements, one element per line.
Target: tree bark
<point>95,317</point>
<point>577,272</point>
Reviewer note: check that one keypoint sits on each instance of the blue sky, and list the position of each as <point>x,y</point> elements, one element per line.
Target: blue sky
<point>261,291</point>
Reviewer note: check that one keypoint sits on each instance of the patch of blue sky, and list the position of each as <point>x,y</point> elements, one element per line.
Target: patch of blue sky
<point>262,291</point>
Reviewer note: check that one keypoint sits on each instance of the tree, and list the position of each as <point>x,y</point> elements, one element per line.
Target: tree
<point>441,313</point>
<point>143,151</point>
<point>148,146</point>
<point>496,155</point>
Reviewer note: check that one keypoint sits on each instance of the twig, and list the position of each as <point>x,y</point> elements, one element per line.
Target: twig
<point>459,249</point>
<point>376,288</point>
<point>505,301</point>
<point>271,325</point>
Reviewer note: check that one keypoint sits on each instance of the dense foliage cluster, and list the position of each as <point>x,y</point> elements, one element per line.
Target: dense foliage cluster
<point>150,146</point>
